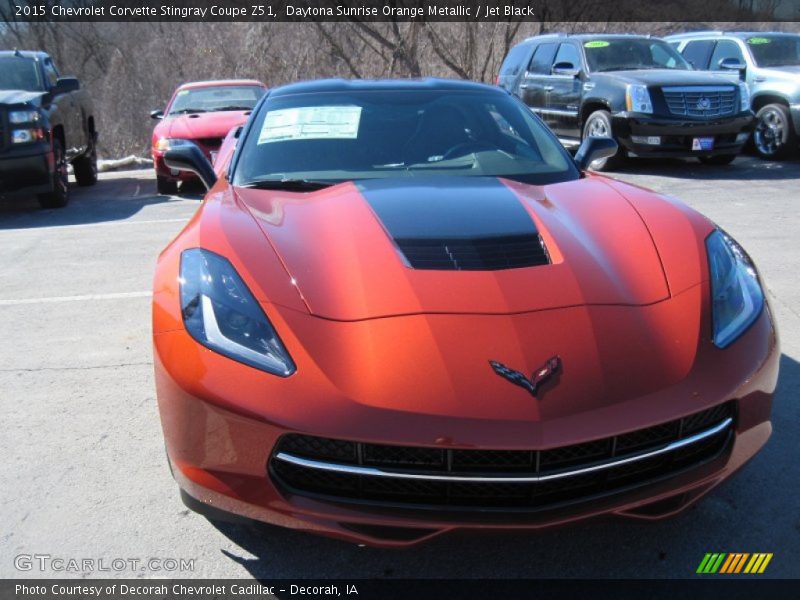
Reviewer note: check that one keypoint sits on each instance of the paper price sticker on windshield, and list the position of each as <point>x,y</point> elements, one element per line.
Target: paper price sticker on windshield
<point>311,123</point>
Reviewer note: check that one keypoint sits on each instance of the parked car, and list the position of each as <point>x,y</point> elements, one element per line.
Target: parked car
<point>635,89</point>
<point>46,122</point>
<point>407,310</point>
<point>769,63</point>
<point>200,113</point>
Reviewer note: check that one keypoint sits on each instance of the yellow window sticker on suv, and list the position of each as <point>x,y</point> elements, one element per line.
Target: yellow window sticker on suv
<point>596,44</point>
<point>310,123</point>
<point>758,40</point>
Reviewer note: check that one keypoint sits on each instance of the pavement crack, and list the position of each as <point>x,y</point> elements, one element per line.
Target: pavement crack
<point>87,368</point>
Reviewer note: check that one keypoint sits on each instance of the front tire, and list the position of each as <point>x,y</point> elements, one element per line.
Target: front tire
<point>59,197</point>
<point>599,125</point>
<point>166,186</point>
<point>720,160</point>
<point>774,136</point>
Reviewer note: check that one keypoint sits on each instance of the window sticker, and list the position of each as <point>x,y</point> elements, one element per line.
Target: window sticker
<point>758,40</point>
<point>311,123</point>
<point>596,44</point>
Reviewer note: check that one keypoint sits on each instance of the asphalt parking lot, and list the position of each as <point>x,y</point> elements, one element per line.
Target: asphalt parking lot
<point>84,473</point>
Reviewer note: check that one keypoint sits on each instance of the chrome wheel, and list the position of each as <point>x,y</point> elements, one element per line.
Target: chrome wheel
<point>597,128</point>
<point>770,135</point>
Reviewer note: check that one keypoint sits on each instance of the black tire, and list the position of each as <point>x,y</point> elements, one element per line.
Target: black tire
<point>598,124</point>
<point>719,160</point>
<point>59,197</point>
<point>166,186</point>
<point>85,168</point>
<point>774,137</point>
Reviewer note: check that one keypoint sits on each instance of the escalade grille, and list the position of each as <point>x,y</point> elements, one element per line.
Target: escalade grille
<point>701,101</point>
<point>487,254</point>
<point>470,479</point>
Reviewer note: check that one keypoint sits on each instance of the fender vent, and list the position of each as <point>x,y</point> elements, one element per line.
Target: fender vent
<point>483,254</point>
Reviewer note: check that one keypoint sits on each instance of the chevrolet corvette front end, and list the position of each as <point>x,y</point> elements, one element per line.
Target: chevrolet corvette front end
<point>404,309</point>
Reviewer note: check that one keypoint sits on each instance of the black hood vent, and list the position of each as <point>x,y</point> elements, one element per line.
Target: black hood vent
<point>486,254</point>
<point>456,223</point>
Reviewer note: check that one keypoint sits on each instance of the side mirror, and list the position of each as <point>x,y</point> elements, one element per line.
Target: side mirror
<point>594,148</point>
<point>157,114</point>
<point>192,159</point>
<point>65,85</point>
<point>733,64</point>
<point>566,69</point>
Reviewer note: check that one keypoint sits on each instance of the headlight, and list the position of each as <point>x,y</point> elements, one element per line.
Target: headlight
<point>736,295</point>
<point>637,98</point>
<point>26,136</point>
<point>221,314</point>
<point>17,117</point>
<point>164,144</point>
<point>744,97</point>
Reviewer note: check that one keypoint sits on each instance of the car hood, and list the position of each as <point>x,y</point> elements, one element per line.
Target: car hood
<point>19,97</point>
<point>202,125</point>
<point>346,247</point>
<point>661,77</point>
<point>788,73</point>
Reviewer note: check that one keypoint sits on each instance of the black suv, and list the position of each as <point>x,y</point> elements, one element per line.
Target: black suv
<point>636,89</point>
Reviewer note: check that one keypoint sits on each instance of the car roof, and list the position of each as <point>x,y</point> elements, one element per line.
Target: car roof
<point>348,85</point>
<point>737,34</point>
<point>219,83</point>
<point>34,54</point>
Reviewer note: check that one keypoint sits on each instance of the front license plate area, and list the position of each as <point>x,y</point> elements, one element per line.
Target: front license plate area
<point>703,143</point>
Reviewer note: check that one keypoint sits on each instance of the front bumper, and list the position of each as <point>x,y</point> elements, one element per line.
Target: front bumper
<point>26,170</point>
<point>219,449</point>
<point>730,134</point>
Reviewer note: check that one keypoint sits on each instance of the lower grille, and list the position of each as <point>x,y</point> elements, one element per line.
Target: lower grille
<point>701,101</point>
<point>420,477</point>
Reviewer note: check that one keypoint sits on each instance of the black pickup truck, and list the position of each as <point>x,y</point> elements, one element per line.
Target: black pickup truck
<point>636,89</point>
<point>46,122</point>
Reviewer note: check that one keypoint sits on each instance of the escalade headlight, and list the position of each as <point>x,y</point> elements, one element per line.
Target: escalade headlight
<point>736,295</point>
<point>744,97</point>
<point>17,117</point>
<point>220,313</point>
<point>637,98</point>
<point>164,144</point>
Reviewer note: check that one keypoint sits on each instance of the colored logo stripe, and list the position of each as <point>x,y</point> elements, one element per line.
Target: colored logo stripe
<point>724,563</point>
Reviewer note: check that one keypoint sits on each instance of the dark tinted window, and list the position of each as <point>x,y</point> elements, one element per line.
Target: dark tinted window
<point>631,53</point>
<point>515,59</point>
<point>352,135</point>
<point>50,72</point>
<point>568,53</point>
<point>725,49</point>
<point>775,51</point>
<point>543,59</point>
<point>698,52</point>
<point>19,73</point>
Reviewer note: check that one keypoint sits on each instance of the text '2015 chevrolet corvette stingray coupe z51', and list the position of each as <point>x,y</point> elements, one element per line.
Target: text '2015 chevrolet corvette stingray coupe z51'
<point>404,309</point>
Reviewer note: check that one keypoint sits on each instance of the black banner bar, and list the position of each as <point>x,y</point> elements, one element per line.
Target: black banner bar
<point>266,11</point>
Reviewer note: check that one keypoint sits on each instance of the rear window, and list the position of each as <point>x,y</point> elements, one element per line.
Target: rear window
<point>513,62</point>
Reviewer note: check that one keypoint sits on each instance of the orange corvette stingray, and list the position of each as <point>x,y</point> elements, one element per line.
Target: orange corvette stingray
<point>403,309</point>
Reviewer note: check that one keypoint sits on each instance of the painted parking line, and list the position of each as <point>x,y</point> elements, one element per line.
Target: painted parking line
<point>82,298</point>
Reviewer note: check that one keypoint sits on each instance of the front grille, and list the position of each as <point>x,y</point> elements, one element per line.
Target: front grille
<point>485,254</point>
<point>464,479</point>
<point>700,101</point>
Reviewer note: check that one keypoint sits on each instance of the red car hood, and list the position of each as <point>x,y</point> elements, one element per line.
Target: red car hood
<point>201,125</point>
<point>340,246</point>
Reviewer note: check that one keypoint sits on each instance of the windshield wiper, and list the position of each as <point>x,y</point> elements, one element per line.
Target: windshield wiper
<point>184,111</point>
<point>303,185</point>
<point>234,108</point>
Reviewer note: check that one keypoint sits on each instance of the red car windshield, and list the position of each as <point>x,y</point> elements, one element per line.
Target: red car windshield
<point>215,98</point>
<point>340,136</point>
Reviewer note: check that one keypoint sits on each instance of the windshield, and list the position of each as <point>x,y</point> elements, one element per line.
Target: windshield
<point>340,136</point>
<point>625,54</point>
<point>775,51</point>
<point>20,73</point>
<point>210,99</point>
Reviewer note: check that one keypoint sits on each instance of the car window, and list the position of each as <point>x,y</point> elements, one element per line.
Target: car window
<point>216,98</point>
<point>514,61</point>
<point>725,49</point>
<point>50,72</point>
<point>374,134</point>
<point>568,53</point>
<point>631,53</point>
<point>697,53</point>
<point>775,51</point>
<point>542,59</point>
<point>20,73</point>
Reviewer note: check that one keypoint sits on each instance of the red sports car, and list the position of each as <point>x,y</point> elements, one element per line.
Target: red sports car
<point>405,309</point>
<point>200,113</point>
